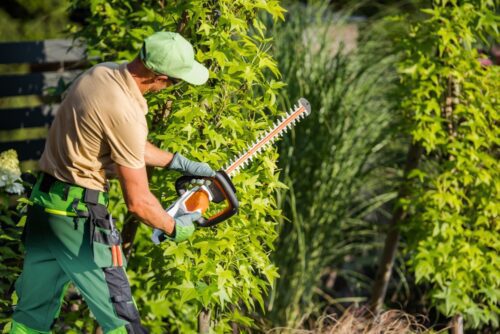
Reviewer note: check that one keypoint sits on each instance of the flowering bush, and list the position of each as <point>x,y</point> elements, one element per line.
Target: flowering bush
<point>10,173</point>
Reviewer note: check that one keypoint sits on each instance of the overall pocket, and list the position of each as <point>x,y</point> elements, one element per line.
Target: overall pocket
<point>102,254</point>
<point>105,238</point>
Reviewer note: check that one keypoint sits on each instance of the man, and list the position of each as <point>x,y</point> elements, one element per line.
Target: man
<point>100,130</point>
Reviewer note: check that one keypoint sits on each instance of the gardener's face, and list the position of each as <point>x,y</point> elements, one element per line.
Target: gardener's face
<point>161,82</point>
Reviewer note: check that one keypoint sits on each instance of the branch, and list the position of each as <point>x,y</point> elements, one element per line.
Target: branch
<point>384,271</point>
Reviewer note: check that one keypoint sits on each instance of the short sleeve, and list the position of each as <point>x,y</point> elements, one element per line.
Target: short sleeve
<point>127,143</point>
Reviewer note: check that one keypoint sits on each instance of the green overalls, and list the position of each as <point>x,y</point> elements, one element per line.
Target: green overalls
<point>70,237</point>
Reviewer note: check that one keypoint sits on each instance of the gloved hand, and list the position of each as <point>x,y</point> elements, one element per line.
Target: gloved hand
<point>183,229</point>
<point>188,167</point>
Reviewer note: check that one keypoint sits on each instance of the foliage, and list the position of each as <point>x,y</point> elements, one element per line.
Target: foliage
<point>10,249</point>
<point>451,104</point>
<point>32,19</point>
<point>335,163</point>
<point>226,269</point>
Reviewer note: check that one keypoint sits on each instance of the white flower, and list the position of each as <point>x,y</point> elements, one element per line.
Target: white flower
<point>3,180</point>
<point>10,173</point>
<point>15,188</point>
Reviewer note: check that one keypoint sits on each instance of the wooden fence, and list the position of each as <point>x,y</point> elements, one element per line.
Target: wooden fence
<point>32,75</point>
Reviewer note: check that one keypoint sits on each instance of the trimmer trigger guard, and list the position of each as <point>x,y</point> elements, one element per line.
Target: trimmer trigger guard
<point>222,189</point>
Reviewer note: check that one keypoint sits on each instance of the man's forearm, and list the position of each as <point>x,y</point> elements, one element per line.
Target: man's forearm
<point>140,201</point>
<point>150,211</point>
<point>156,157</point>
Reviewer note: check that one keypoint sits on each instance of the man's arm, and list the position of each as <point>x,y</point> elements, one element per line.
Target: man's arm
<point>140,201</point>
<point>156,157</point>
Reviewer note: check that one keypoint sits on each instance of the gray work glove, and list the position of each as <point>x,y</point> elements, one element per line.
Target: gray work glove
<point>183,229</point>
<point>188,167</point>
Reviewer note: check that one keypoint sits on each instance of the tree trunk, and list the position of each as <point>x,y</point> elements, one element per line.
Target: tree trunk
<point>204,321</point>
<point>384,271</point>
<point>457,324</point>
<point>97,328</point>
<point>235,328</point>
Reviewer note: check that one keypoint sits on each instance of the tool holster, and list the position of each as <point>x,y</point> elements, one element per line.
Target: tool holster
<point>102,227</point>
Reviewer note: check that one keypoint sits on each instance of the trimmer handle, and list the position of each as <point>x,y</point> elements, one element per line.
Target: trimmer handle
<point>221,188</point>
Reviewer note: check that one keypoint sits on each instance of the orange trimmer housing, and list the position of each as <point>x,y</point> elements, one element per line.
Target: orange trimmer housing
<point>218,189</point>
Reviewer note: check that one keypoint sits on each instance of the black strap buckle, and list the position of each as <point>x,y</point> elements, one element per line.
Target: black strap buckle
<point>91,196</point>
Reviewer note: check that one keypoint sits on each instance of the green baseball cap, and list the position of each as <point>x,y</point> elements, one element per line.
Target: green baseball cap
<point>171,54</point>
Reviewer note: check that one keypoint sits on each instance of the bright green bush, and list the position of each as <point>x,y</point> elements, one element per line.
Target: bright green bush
<point>226,269</point>
<point>452,103</point>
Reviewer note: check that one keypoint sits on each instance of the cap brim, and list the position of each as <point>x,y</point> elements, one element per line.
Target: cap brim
<point>197,76</point>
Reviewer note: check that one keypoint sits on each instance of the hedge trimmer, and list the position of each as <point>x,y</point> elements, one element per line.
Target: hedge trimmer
<point>220,188</point>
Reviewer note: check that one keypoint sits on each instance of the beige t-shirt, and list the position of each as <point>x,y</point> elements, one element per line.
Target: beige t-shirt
<point>100,122</point>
